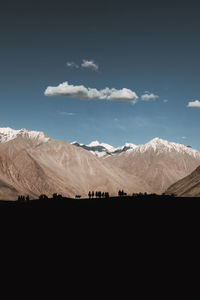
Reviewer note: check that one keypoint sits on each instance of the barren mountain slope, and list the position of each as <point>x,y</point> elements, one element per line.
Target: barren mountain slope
<point>7,191</point>
<point>53,166</point>
<point>189,186</point>
<point>159,163</point>
<point>81,171</point>
<point>8,173</point>
<point>13,141</point>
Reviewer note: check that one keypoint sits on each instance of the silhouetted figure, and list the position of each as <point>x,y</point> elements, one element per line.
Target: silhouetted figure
<point>78,196</point>
<point>106,195</point>
<point>122,193</point>
<point>21,198</point>
<point>27,198</point>
<point>99,194</point>
<point>96,194</point>
<point>55,196</point>
<point>89,195</point>
<point>103,195</point>
<point>92,194</point>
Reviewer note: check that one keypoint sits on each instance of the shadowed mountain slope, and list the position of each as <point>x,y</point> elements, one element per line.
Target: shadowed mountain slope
<point>189,186</point>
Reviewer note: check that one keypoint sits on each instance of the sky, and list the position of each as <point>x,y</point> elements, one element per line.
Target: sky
<point>113,71</point>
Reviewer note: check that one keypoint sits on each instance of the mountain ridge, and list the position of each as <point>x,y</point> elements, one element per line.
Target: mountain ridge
<point>33,163</point>
<point>7,134</point>
<point>103,149</point>
<point>54,166</point>
<point>159,163</point>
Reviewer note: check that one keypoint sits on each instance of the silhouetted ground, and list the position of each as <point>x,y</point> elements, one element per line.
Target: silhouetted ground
<point>112,202</point>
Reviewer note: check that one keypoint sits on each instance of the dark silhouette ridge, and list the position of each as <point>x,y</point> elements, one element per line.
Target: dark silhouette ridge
<point>136,200</point>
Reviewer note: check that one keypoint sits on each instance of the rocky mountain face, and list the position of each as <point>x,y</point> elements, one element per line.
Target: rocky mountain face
<point>159,163</point>
<point>34,164</point>
<point>189,186</point>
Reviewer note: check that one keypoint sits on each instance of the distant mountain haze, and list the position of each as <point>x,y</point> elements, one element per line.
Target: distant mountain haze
<point>31,163</point>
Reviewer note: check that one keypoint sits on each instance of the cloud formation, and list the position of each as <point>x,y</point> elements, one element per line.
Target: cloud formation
<point>148,96</point>
<point>89,64</point>
<point>195,103</point>
<point>65,113</point>
<point>72,64</point>
<point>81,92</point>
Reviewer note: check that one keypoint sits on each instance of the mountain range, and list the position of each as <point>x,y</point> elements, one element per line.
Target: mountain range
<point>33,163</point>
<point>160,163</point>
<point>102,149</point>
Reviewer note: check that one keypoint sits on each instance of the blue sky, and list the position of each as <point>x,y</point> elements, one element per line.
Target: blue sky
<point>137,45</point>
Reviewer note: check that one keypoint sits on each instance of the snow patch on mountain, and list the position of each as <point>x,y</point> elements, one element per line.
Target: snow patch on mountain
<point>160,145</point>
<point>108,147</point>
<point>157,145</point>
<point>103,149</point>
<point>7,134</point>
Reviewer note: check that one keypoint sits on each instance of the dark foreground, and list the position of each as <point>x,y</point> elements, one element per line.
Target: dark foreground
<point>154,201</point>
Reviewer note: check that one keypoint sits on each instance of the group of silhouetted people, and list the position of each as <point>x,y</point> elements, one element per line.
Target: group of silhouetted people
<point>98,194</point>
<point>22,198</point>
<point>121,193</point>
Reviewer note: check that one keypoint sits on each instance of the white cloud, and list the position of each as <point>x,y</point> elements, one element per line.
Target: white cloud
<point>71,64</point>
<point>195,103</point>
<point>148,96</point>
<point>165,100</point>
<point>81,92</point>
<point>90,64</point>
<point>65,113</point>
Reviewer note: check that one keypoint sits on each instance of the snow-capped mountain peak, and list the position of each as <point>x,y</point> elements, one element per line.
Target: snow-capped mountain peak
<point>160,145</point>
<point>157,145</point>
<point>103,149</point>
<point>125,147</point>
<point>7,134</point>
<point>106,146</point>
<point>93,144</point>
